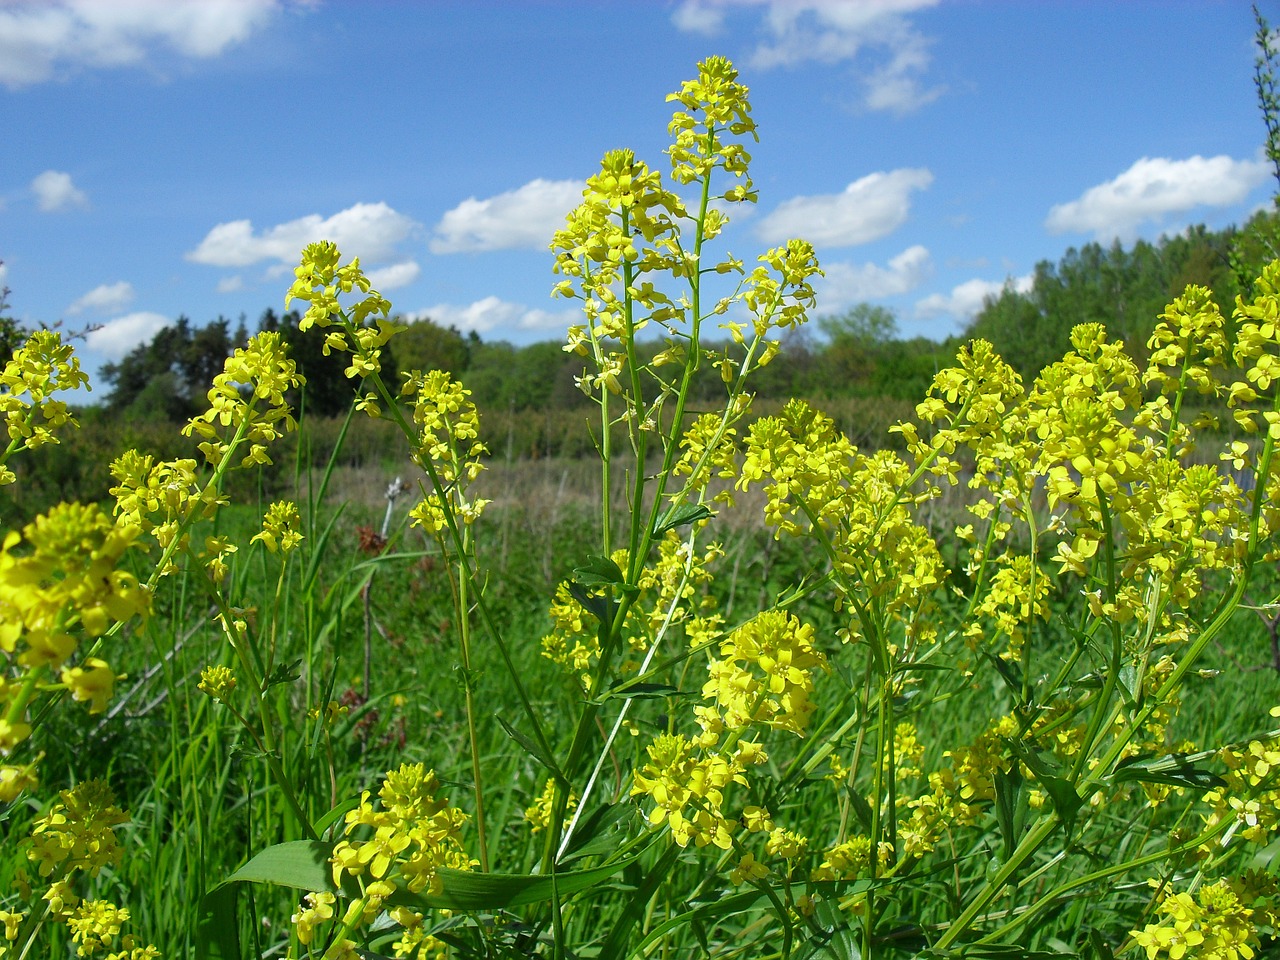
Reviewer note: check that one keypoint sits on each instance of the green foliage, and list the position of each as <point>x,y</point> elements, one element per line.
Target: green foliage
<point>165,379</point>
<point>1123,289</point>
<point>736,687</point>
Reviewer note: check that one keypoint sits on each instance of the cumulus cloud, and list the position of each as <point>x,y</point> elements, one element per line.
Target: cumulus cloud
<point>524,218</point>
<point>396,275</point>
<point>1153,188</point>
<point>831,31</point>
<point>117,337</point>
<point>231,284</point>
<point>42,40</point>
<point>54,191</point>
<point>846,284</point>
<point>107,298</point>
<point>491,313</point>
<point>966,299</point>
<point>370,231</point>
<point>867,209</point>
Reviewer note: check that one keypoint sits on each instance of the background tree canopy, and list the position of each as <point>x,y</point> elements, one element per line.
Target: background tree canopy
<point>855,354</point>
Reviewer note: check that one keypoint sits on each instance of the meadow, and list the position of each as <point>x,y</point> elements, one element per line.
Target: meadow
<point>987,676</point>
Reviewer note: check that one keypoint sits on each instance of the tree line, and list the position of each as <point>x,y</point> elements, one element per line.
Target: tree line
<point>858,353</point>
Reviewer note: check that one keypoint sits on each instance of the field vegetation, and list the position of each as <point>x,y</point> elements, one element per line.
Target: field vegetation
<point>690,656</point>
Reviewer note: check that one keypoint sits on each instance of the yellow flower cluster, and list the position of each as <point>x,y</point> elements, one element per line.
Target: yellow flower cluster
<point>321,282</point>
<point>41,367</point>
<point>688,790</point>
<point>1251,795</point>
<point>163,498</point>
<point>671,592</point>
<point>75,836</point>
<point>714,102</point>
<point>1212,925</point>
<point>538,814</point>
<point>856,506</point>
<point>280,527</point>
<point>449,440</point>
<point>217,682</point>
<point>845,861</point>
<point>264,372</point>
<point>764,675</point>
<point>405,838</point>
<point>1018,595</point>
<point>60,581</point>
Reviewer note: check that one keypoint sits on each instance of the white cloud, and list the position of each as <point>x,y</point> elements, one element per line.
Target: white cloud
<point>4,272</point>
<point>396,275</point>
<point>831,31</point>
<point>231,284</point>
<point>846,284</point>
<point>369,231</point>
<point>1152,188</point>
<point>524,218</point>
<point>117,337</point>
<point>54,191</point>
<point>868,209</point>
<point>41,40</point>
<point>967,298</point>
<point>494,314</point>
<point>107,298</point>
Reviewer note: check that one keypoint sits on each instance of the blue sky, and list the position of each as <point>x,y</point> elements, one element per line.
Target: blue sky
<point>168,157</point>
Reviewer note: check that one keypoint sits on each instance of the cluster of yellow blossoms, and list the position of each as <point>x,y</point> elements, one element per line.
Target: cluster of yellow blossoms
<point>60,581</point>
<point>321,283</point>
<point>75,837</point>
<point>448,444</point>
<point>403,840</point>
<point>671,597</point>
<point>41,367</point>
<point>1215,924</point>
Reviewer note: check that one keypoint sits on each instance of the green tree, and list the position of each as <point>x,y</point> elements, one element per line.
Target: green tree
<point>167,378</point>
<point>426,345</point>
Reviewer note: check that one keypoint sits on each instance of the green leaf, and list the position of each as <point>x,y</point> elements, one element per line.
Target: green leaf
<point>602,608</point>
<point>642,691</point>
<point>598,833</point>
<point>301,864</point>
<point>840,942</point>
<point>861,809</point>
<point>1175,769</point>
<point>283,673</point>
<point>532,748</point>
<point>679,516</point>
<point>1011,808</point>
<point>1009,672</point>
<point>462,890</point>
<point>598,571</point>
<point>1062,792</point>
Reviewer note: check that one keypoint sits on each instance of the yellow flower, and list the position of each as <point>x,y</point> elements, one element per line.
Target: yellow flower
<point>217,681</point>
<point>280,527</point>
<point>93,681</point>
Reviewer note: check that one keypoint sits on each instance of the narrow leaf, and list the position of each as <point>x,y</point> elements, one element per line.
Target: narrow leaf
<point>532,748</point>
<point>681,515</point>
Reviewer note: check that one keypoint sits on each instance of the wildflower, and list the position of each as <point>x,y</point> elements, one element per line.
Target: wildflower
<point>93,681</point>
<point>217,681</point>
<point>41,367</point>
<point>747,869</point>
<point>79,832</point>
<point>539,812</point>
<point>319,910</point>
<point>280,527</point>
<point>1213,925</point>
<point>414,833</point>
<point>264,368</point>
